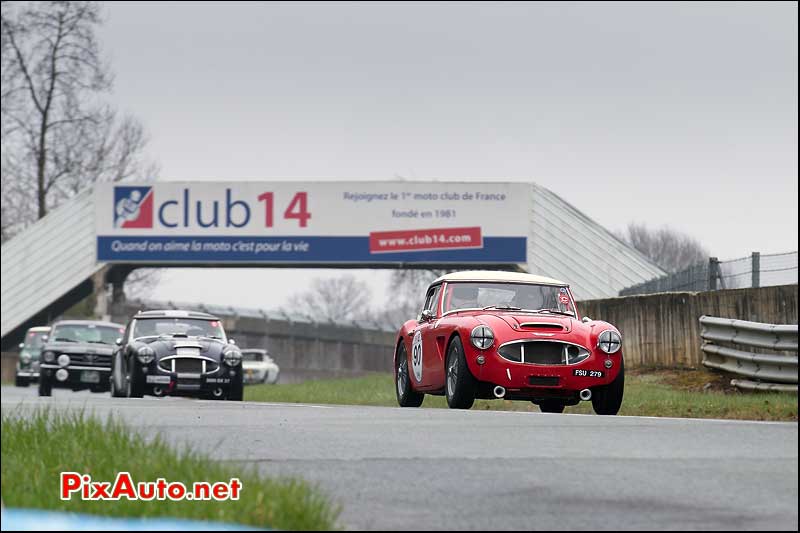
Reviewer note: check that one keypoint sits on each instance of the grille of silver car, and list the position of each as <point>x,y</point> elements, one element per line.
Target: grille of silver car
<point>542,352</point>
<point>188,365</point>
<point>89,359</point>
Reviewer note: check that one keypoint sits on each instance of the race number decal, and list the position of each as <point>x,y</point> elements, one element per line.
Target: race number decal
<point>416,356</point>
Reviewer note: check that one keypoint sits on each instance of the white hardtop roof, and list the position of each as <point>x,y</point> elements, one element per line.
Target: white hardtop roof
<point>39,328</point>
<point>499,276</point>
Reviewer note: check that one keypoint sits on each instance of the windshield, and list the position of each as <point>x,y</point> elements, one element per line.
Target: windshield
<point>86,333</point>
<point>191,327</point>
<point>512,296</point>
<point>34,341</point>
<point>252,356</point>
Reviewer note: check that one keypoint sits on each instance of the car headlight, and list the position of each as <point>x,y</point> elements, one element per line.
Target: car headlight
<point>609,341</point>
<point>63,360</point>
<point>24,358</point>
<point>482,337</point>
<point>232,357</point>
<point>145,355</point>
<point>49,357</point>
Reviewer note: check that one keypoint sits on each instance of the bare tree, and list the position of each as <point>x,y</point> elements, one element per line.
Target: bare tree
<point>407,295</point>
<point>58,135</point>
<point>668,248</point>
<point>333,299</point>
<point>142,282</point>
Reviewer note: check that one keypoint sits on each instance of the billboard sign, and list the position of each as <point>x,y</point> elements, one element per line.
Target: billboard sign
<point>312,222</point>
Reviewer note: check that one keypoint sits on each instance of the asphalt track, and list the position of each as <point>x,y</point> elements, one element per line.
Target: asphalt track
<point>394,468</point>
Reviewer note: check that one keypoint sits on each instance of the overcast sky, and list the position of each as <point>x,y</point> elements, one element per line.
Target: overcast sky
<point>671,114</point>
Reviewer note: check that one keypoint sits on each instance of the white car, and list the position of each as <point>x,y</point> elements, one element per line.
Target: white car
<point>259,367</point>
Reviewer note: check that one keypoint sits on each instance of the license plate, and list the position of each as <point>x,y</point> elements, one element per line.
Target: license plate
<point>90,376</point>
<point>588,373</point>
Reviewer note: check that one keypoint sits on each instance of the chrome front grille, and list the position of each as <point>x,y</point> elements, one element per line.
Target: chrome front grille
<point>89,359</point>
<point>185,365</point>
<point>543,352</point>
<point>188,366</point>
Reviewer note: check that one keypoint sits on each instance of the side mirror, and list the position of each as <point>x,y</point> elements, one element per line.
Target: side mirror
<point>45,338</point>
<point>586,319</point>
<point>118,342</point>
<point>231,341</point>
<point>21,345</point>
<point>426,315</point>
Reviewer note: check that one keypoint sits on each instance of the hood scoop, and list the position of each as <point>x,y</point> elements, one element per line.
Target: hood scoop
<point>549,326</point>
<point>185,344</point>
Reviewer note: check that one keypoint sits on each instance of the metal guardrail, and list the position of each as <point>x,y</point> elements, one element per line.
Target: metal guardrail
<point>761,371</point>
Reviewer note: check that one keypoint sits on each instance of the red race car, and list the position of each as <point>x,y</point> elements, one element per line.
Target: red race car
<point>489,334</point>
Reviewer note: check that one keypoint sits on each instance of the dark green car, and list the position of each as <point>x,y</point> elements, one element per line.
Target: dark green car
<point>29,355</point>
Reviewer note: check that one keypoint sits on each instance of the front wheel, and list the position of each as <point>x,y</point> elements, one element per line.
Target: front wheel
<point>607,399</point>
<point>133,386</point>
<point>116,378</point>
<point>45,387</point>
<point>236,392</point>
<point>406,396</point>
<point>460,387</point>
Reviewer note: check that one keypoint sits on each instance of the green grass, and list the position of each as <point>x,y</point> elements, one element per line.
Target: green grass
<point>36,448</point>
<point>647,393</point>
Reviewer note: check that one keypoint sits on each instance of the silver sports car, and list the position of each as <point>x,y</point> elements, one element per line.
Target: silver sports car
<point>259,367</point>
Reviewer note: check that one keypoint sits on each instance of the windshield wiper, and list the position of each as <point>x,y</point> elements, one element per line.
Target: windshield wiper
<point>503,307</point>
<point>99,342</point>
<point>64,339</point>
<point>554,311</point>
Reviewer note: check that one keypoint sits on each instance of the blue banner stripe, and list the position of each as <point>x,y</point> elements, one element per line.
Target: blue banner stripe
<point>294,249</point>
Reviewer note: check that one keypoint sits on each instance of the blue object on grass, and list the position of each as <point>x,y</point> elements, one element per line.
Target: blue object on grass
<point>36,520</point>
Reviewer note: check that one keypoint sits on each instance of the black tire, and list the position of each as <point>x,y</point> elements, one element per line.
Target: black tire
<point>406,395</point>
<point>236,392</point>
<point>45,387</point>
<point>551,406</point>
<point>133,386</point>
<point>116,392</point>
<point>607,399</point>
<point>460,384</point>
<point>20,381</point>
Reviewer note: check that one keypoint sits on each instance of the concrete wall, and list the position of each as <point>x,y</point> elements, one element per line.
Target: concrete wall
<point>663,329</point>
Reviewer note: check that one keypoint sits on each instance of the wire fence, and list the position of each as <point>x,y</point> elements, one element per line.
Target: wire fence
<point>755,270</point>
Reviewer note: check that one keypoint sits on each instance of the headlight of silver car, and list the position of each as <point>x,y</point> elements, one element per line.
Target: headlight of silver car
<point>232,357</point>
<point>145,354</point>
<point>49,357</point>
<point>609,341</point>
<point>482,337</point>
<point>24,358</point>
